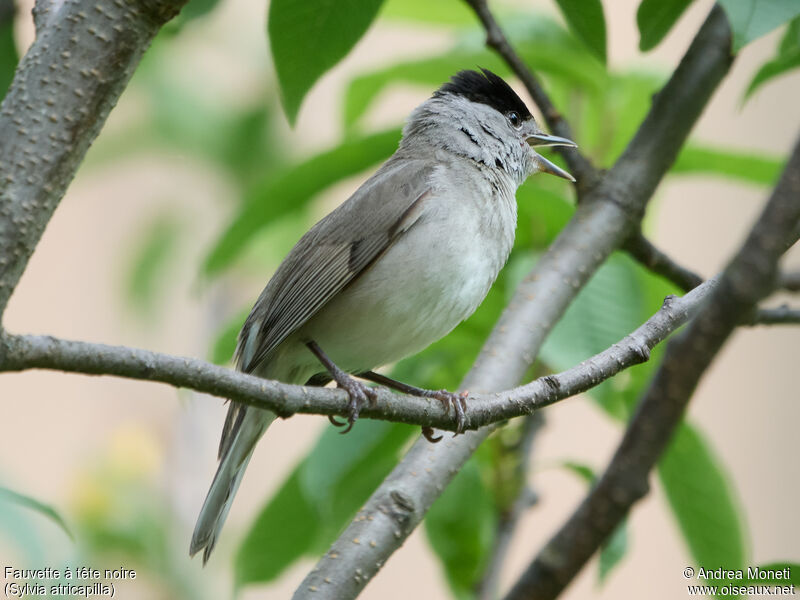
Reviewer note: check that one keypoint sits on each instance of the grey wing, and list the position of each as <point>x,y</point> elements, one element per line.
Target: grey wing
<point>333,253</point>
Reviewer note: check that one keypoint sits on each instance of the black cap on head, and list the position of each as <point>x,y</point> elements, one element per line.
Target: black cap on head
<point>485,88</point>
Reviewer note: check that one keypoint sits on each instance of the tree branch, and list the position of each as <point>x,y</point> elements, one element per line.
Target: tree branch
<point>64,87</point>
<point>641,249</point>
<point>585,174</point>
<point>23,352</point>
<point>749,277</point>
<point>601,223</point>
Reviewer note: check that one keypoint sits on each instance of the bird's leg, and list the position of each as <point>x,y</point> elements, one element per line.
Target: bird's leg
<point>458,402</point>
<point>358,392</point>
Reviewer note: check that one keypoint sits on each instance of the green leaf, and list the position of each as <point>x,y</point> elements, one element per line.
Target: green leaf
<point>357,465</point>
<point>701,497</point>
<point>752,168</point>
<point>336,459</point>
<point>441,12</point>
<point>615,301</point>
<point>540,42</point>
<point>284,530</point>
<point>613,550</point>
<point>461,527</point>
<point>8,48</point>
<point>750,19</point>
<point>585,18</point>
<point>655,18</point>
<point>786,59</point>
<point>46,510</point>
<point>308,38</point>
<point>155,247</point>
<point>291,189</point>
<point>585,472</point>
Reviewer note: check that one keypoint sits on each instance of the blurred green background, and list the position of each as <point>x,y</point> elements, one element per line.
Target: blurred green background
<point>198,186</point>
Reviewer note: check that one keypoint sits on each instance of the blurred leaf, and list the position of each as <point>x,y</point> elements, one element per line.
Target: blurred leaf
<point>583,471</point>
<point>12,497</point>
<point>291,189</point>
<point>283,531</point>
<point>353,476</point>
<point>225,343</point>
<point>155,246</point>
<point>320,497</point>
<point>542,43</point>
<point>461,527</point>
<point>441,12</point>
<point>308,38</point>
<point>655,18</point>
<point>786,59</point>
<point>753,168</point>
<point>613,550</point>
<point>585,18</point>
<point>541,215</point>
<point>700,495</point>
<point>750,19</point>
<point>8,48</point>
<point>616,300</point>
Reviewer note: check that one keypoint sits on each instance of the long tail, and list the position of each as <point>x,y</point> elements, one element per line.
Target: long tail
<point>243,428</point>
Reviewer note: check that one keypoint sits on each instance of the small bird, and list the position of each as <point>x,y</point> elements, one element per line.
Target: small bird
<point>405,259</point>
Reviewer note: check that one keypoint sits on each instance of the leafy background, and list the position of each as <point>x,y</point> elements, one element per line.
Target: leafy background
<point>198,186</point>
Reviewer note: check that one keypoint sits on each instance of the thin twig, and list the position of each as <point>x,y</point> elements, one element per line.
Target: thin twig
<point>640,248</point>
<point>580,167</point>
<point>749,277</point>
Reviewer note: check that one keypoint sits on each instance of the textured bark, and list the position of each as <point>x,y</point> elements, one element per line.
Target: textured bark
<point>83,56</point>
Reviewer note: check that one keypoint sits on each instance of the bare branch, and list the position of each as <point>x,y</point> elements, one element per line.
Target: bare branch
<point>602,222</point>
<point>23,352</point>
<point>640,248</point>
<point>580,167</point>
<point>749,277</point>
<point>62,93</point>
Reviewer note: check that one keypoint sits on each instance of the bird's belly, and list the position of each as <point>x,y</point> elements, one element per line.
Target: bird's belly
<point>413,295</point>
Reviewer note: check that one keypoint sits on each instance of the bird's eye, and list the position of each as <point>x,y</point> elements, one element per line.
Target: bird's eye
<point>513,118</point>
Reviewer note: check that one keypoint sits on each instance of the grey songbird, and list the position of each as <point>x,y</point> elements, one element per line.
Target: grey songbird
<point>407,257</point>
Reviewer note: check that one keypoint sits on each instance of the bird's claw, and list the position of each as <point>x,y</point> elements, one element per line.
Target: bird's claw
<point>458,403</point>
<point>359,394</point>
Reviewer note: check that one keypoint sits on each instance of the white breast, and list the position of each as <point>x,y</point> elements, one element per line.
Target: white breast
<point>430,280</point>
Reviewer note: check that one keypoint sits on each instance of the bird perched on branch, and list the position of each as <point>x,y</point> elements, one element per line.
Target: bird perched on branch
<point>407,257</point>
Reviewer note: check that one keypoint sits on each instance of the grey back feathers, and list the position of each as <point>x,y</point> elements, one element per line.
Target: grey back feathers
<point>331,255</point>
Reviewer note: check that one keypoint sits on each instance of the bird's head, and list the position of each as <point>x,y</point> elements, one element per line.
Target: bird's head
<point>478,115</point>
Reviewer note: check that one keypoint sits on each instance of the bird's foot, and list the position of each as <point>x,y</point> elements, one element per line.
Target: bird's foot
<point>456,402</point>
<point>359,394</point>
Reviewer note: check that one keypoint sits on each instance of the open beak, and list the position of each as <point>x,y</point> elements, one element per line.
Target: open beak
<point>542,139</point>
<point>545,166</point>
